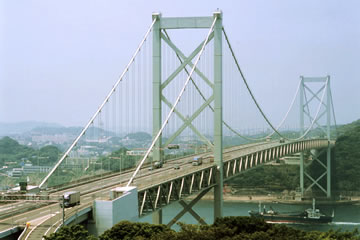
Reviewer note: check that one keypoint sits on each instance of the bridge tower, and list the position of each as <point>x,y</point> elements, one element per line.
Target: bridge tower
<point>159,33</point>
<point>305,87</point>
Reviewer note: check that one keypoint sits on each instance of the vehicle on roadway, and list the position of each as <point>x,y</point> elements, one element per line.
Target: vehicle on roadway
<point>209,158</point>
<point>156,165</point>
<point>197,161</point>
<point>173,146</point>
<point>70,199</point>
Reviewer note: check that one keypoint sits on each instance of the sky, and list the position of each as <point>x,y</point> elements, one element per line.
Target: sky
<point>59,59</point>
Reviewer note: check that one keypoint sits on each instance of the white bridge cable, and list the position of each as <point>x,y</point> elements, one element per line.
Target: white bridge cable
<point>174,106</point>
<point>101,106</point>
<point>258,106</point>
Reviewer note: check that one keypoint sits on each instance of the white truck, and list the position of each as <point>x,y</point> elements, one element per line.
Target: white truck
<point>197,161</point>
<point>71,198</point>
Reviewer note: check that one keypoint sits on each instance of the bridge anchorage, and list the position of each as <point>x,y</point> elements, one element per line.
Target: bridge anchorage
<point>137,191</point>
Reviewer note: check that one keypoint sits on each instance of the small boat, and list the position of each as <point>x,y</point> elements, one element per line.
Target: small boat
<point>308,216</point>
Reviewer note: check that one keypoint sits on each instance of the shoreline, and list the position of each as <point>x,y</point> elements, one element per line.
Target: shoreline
<point>275,199</point>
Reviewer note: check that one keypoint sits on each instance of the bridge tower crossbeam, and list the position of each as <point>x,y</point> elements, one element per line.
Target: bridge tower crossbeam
<point>159,34</point>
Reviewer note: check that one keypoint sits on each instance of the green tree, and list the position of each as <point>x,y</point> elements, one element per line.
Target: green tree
<point>50,154</point>
<point>75,232</point>
<point>128,231</point>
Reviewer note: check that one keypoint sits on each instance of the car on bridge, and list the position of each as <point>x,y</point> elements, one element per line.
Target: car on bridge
<point>156,165</point>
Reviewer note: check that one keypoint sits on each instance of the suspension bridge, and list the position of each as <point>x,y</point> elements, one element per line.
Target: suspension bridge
<point>199,99</point>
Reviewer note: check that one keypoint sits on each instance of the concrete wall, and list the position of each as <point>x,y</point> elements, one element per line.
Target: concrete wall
<point>109,212</point>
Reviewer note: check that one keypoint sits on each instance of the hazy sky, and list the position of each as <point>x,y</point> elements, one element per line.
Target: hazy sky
<point>58,59</point>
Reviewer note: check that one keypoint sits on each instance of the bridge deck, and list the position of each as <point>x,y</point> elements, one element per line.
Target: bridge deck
<point>163,186</point>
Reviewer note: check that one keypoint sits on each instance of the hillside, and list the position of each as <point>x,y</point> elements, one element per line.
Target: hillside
<point>347,158</point>
<point>7,129</point>
<point>12,151</point>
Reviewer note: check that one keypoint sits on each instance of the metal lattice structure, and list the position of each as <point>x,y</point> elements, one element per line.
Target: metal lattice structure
<point>214,24</point>
<point>307,96</point>
<point>199,182</point>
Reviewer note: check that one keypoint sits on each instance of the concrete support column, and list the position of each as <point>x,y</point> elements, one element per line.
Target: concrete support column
<point>218,189</point>
<point>157,217</point>
<point>157,85</point>
<point>328,173</point>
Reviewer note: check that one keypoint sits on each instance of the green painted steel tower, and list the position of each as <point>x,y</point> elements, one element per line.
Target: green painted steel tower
<point>305,101</point>
<point>159,33</point>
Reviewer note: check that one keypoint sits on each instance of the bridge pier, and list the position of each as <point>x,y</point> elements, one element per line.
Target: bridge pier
<point>218,117</point>
<point>302,174</point>
<point>157,90</point>
<point>328,171</point>
<point>157,216</point>
<point>122,204</point>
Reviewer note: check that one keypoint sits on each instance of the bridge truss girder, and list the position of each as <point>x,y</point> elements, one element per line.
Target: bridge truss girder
<point>154,198</point>
<point>177,188</point>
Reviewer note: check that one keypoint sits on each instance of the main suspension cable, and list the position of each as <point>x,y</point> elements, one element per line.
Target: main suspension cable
<point>258,106</point>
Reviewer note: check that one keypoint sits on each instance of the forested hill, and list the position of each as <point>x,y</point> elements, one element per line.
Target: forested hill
<point>345,167</point>
<point>12,151</point>
<point>347,157</point>
<point>346,128</point>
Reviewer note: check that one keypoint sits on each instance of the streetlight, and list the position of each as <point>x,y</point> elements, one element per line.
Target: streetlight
<point>63,210</point>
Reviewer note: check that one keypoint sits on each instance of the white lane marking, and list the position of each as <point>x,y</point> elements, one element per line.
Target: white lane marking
<point>44,212</point>
<point>52,227</point>
<point>4,209</point>
<point>37,226</point>
<point>33,221</point>
<point>58,227</point>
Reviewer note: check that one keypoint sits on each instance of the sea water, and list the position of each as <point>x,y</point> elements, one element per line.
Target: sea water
<point>347,217</point>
